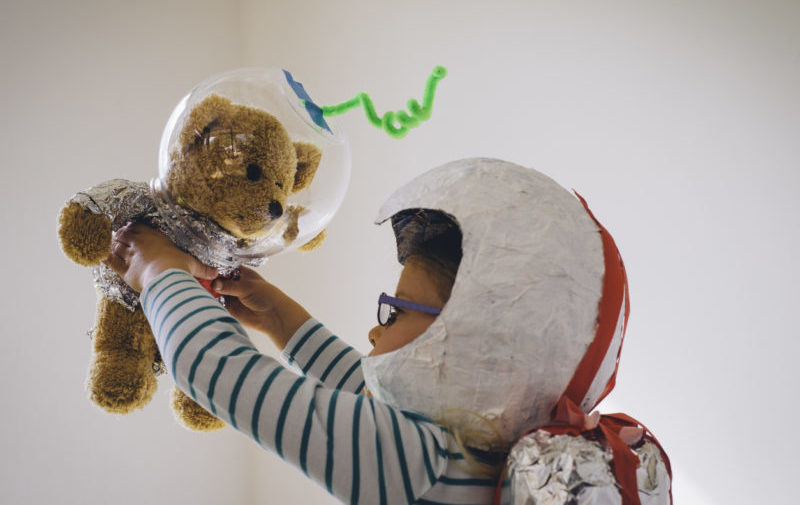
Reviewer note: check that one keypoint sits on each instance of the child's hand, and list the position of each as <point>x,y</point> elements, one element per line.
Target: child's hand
<point>261,306</point>
<point>139,254</point>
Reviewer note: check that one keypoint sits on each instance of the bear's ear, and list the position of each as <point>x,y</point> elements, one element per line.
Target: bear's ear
<point>205,116</point>
<point>308,156</point>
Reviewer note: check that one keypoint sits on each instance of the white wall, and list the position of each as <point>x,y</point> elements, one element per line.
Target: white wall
<point>678,121</point>
<point>86,89</point>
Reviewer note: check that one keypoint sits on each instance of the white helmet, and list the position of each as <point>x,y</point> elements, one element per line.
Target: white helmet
<point>523,309</point>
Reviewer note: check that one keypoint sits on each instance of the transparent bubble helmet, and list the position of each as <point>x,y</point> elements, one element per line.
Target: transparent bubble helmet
<point>308,211</point>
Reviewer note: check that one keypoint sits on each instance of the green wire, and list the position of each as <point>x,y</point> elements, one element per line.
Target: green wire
<point>396,123</point>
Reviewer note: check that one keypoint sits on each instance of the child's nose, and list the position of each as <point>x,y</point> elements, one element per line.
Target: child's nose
<point>374,334</point>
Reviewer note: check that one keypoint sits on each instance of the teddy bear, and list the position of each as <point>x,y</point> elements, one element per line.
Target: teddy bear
<point>225,191</point>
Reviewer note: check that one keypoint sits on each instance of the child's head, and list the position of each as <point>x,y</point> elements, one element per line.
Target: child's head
<point>430,256</point>
<point>520,311</point>
<point>432,238</point>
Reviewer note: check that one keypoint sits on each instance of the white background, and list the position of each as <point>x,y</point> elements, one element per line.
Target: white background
<point>678,121</point>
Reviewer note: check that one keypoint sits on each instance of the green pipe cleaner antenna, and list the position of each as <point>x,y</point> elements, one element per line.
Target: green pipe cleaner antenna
<point>395,123</point>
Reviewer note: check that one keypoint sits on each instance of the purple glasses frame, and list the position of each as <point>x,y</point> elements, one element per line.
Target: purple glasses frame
<point>404,304</point>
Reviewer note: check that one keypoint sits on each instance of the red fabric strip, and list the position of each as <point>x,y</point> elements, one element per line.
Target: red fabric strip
<point>567,415</point>
<point>615,285</point>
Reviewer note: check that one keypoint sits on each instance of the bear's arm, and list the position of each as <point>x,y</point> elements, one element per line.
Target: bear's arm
<point>87,220</point>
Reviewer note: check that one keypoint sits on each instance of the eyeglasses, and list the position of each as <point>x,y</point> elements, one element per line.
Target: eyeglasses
<point>387,305</point>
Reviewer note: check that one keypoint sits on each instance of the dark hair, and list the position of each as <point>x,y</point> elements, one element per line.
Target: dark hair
<point>432,238</point>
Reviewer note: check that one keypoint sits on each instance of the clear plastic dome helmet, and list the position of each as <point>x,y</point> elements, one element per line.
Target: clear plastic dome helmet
<point>243,141</point>
<point>523,310</point>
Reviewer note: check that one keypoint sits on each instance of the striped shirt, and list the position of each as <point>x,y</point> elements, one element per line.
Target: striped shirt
<point>360,449</point>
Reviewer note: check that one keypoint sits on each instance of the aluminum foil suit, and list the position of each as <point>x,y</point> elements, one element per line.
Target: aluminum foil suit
<point>124,201</point>
<point>522,313</point>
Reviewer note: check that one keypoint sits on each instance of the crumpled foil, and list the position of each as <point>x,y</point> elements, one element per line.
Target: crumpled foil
<point>121,201</point>
<point>569,470</point>
<point>125,201</point>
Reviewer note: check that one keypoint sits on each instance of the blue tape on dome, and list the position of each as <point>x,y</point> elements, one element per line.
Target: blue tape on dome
<point>314,110</point>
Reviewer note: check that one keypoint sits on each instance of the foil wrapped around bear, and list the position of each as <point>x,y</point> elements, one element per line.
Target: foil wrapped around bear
<point>127,201</point>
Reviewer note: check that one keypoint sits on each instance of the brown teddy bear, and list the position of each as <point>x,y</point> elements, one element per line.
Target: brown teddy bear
<point>224,197</point>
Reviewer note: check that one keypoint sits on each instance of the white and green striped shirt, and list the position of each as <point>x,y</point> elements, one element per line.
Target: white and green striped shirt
<point>360,449</point>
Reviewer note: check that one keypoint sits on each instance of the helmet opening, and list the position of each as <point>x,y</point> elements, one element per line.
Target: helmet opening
<point>432,239</point>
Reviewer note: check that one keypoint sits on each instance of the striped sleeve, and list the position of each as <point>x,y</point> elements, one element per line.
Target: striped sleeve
<point>318,353</point>
<point>359,449</point>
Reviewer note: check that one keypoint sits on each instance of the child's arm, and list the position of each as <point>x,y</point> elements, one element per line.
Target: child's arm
<point>360,449</point>
<point>305,342</point>
<point>320,354</point>
<point>262,306</point>
<point>139,253</point>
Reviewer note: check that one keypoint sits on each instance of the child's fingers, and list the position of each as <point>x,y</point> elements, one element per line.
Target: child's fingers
<point>123,235</point>
<point>200,270</point>
<point>240,285</point>
<point>238,288</point>
<point>127,233</point>
<point>116,263</point>
<point>119,249</point>
<point>235,307</point>
<point>247,274</point>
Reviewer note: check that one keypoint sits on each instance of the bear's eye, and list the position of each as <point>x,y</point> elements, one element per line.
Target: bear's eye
<point>279,184</point>
<point>254,172</point>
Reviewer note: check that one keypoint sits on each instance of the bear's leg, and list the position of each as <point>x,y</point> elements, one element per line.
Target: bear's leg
<point>191,414</point>
<point>121,375</point>
<point>314,242</point>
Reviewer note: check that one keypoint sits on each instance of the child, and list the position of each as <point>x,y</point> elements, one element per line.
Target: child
<point>470,354</point>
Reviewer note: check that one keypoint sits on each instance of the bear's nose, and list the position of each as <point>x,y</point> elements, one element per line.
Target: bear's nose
<point>275,209</point>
